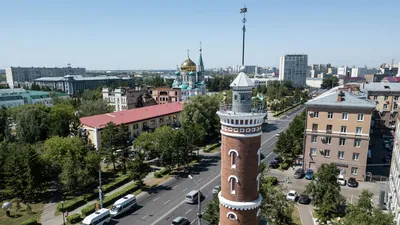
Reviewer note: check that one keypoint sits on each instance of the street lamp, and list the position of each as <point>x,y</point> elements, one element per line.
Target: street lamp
<point>199,201</point>
<point>62,208</point>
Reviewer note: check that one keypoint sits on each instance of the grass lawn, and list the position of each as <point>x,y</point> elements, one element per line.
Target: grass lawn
<point>217,149</point>
<point>21,215</point>
<point>296,216</point>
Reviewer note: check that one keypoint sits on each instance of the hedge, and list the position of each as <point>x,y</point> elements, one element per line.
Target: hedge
<point>71,204</point>
<point>74,218</point>
<point>287,109</point>
<point>161,173</point>
<point>209,148</point>
<point>284,166</point>
<point>110,199</point>
<point>88,210</point>
<point>115,184</point>
<point>29,222</point>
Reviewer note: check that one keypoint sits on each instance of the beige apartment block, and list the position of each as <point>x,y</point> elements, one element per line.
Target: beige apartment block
<point>337,131</point>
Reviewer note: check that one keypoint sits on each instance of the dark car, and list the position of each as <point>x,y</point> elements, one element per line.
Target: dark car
<point>274,164</point>
<point>180,221</point>
<point>278,159</point>
<point>304,199</point>
<point>298,174</point>
<point>352,182</point>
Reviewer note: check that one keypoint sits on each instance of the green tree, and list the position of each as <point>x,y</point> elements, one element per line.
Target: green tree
<point>74,176</point>
<point>4,129</point>
<point>138,169</point>
<point>90,108</point>
<point>92,95</point>
<point>166,145</point>
<point>284,145</point>
<point>146,144</point>
<point>110,142</point>
<point>325,192</point>
<point>63,120</point>
<point>211,214</point>
<point>154,81</point>
<point>330,82</point>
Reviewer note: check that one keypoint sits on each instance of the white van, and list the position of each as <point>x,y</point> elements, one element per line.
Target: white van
<point>100,217</point>
<point>193,197</point>
<point>124,204</point>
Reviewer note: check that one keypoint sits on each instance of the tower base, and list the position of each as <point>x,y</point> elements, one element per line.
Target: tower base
<point>244,217</point>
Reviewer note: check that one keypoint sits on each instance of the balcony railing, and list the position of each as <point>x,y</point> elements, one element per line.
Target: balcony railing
<point>256,107</point>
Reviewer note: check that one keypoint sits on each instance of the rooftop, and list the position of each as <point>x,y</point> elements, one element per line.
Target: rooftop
<point>348,101</point>
<point>382,87</point>
<point>242,80</point>
<point>132,115</point>
<point>81,78</point>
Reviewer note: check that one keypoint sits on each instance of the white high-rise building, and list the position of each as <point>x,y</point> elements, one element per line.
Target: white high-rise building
<point>393,195</point>
<point>294,68</point>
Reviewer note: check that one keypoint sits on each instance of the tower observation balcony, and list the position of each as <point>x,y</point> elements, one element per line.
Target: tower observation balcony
<point>257,109</point>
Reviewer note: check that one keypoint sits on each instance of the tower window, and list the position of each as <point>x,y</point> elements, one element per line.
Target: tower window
<point>233,180</point>
<point>235,97</point>
<point>231,216</point>
<point>234,154</point>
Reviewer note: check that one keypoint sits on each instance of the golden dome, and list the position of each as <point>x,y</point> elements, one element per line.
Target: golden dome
<point>188,65</point>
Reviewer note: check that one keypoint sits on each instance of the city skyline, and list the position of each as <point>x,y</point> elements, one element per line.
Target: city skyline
<point>121,35</point>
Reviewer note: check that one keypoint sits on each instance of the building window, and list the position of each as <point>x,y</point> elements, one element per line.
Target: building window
<point>327,153</point>
<point>161,119</point>
<point>342,141</point>
<point>328,140</point>
<point>354,170</point>
<point>315,127</point>
<point>314,139</point>
<point>231,216</point>
<point>358,130</point>
<point>343,129</point>
<point>235,97</point>
<point>375,97</point>
<point>357,143</point>
<point>385,106</point>
<point>330,115</point>
<point>395,106</point>
<point>233,180</point>
<point>356,156</point>
<point>316,114</point>
<point>345,116</point>
<point>386,97</point>
<point>396,98</point>
<point>340,155</point>
<point>329,128</point>
<point>360,117</point>
<point>313,151</point>
<point>135,126</point>
<point>152,122</point>
<point>235,130</point>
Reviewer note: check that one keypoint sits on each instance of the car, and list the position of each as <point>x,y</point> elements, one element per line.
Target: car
<point>278,134</point>
<point>299,173</point>
<point>352,182</point>
<point>304,199</point>
<point>216,189</point>
<point>274,164</point>
<point>180,221</point>
<point>262,156</point>
<point>278,159</point>
<point>309,174</point>
<point>341,180</point>
<point>291,195</point>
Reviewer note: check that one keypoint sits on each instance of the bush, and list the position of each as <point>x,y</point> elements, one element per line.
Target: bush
<point>284,166</point>
<point>29,222</point>
<point>211,147</point>
<point>157,175</point>
<point>90,196</point>
<point>116,183</point>
<point>271,181</point>
<point>88,210</point>
<point>110,199</point>
<point>74,218</point>
<point>161,173</point>
<point>285,110</point>
<point>71,204</point>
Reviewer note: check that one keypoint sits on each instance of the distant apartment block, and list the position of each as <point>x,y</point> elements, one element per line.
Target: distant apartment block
<point>73,84</point>
<point>337,131</point>
<point>21,75</point>
<point>165,95</point>
<point>126,98</point>
<point>18,96</point>
<point>263,81</point>
<point>294,68</point>
<point>393,194</point>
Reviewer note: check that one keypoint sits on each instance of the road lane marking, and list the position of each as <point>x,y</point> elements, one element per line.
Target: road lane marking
<point>200,179</point>
<point>184,190</point>
<point>145,216</point>
<point>212,171</point>
<point>175,187</point>
<point>155,199</point>
<point>188,211</point>
<point>167,202</point>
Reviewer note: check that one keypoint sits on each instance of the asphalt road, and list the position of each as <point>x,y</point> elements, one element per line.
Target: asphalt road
<point>165,203</point>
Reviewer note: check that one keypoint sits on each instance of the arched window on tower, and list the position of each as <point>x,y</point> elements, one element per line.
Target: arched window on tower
<point>233,154</point>
<point>259,156</point>
<point>231,216</point>
<point>232,181</point>
<point>258,181</point>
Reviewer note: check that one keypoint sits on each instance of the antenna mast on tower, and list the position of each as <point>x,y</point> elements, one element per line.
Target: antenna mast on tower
<point>244,11</point>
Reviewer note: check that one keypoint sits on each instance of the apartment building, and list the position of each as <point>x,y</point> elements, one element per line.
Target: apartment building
<point>18,96</point>
<point>294,68</point>
<point>127,98</point>
<point>21,75</point>
<point>137,120</point>
<point>165,95</point>
<point>337,131</point>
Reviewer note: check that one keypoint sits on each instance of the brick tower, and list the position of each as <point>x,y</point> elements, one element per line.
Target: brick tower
<point>240,152</point>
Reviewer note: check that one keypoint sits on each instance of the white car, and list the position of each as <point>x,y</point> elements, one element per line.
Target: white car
<point>216,189</point>
<point>341,180</point>
<point>278,134</point>
<point>291,196</point>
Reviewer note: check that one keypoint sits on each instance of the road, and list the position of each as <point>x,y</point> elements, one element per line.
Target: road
<point>165,203</point>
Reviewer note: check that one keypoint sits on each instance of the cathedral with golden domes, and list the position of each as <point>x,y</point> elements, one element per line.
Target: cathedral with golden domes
<point>190,79</point>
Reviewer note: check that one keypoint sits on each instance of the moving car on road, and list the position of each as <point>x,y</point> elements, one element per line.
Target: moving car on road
<point>278,134</point>
<point>299,173</point>
<point>100,217</point>
<point>193,197</point>
<point>216,189</point>
<point>274,164</point>
<point>291,196</point>
<point>180,221</point>
<point>341,180</point>
<point>352,182</point>
<point>304,199</point>
<point>309,174</point>
<point>122,205</point>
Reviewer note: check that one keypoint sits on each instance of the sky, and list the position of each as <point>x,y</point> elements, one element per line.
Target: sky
<point>156,34</point>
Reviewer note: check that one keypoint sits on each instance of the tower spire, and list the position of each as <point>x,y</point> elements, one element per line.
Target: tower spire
<point>201,64</point>
<point>188,53</point>
<point>244,11</point>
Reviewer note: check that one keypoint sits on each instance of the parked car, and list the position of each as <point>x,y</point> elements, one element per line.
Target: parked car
<point>304,199</point>
<point>274,164</point>
<point>341,180</point>
<point>352,182</point>
<point>278,159</point>
<point>298,174</point>
<point>216,189</point>
<point>309,174</point>
<point>291,196</point>
<point>278,134</point>
<point>180,221</point>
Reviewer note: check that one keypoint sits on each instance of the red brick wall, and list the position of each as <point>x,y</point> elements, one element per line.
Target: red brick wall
<point>245,217</point>
<point>246,168</point>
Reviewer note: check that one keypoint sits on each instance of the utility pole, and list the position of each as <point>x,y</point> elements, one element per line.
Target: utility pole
<point>198,201</point>
<point>244,11</point>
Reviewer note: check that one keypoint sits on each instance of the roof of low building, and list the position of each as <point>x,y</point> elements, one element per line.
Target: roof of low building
<point>392,79</point>
<point>348,101</point>
<point>382,87</point>
<point>132,115</point>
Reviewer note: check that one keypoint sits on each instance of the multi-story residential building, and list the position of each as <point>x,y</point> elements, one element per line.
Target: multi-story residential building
<point>294,68</point>
<point>263,81</point>
<point>164,95</point>
<point>73,84</point>
<point>18,96</point>
<point>138,120</point>
<point>21,75</point>
<point>337,131</point>
<point>393,193</point>
<point>126,98</point>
